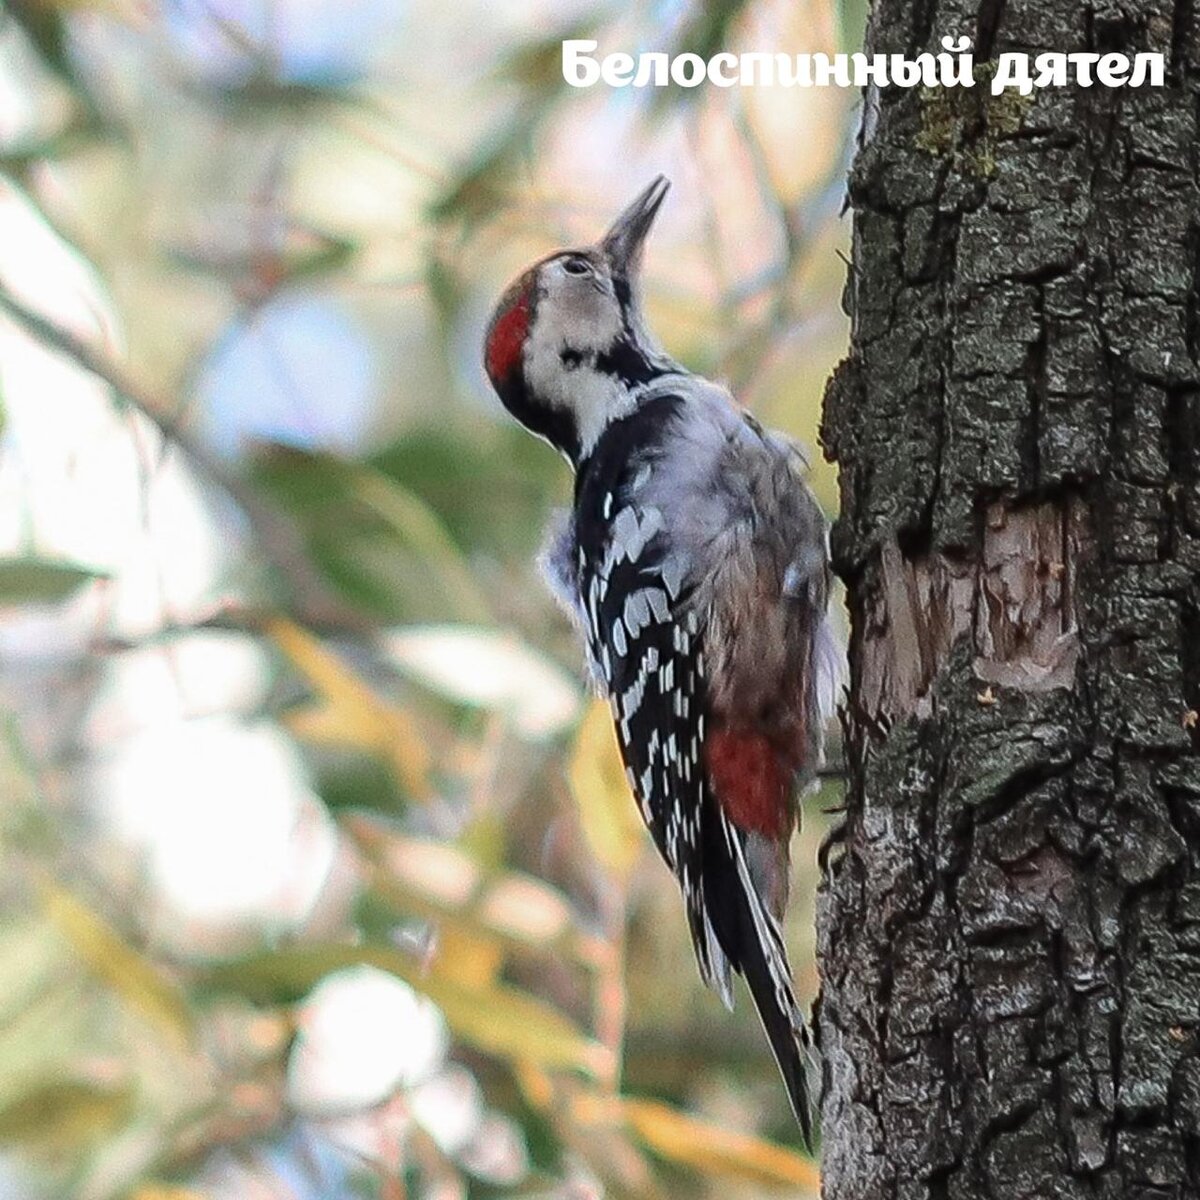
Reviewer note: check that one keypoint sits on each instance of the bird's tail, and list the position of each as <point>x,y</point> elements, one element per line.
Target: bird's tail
<point>785,1029</point>
<point>752,939</point>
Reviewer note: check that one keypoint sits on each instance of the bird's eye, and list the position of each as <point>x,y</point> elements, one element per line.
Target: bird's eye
<point>576,266</point>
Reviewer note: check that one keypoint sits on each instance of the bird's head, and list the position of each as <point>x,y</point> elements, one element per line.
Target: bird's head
<point>567,347</point>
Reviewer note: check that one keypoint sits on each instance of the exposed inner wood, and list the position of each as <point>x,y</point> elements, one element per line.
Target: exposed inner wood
<point>1015,603</point>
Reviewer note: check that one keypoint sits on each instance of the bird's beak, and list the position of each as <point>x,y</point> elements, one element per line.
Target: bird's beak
<point>623,242</point>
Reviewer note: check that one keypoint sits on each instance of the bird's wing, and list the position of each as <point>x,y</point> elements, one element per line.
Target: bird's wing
<point>649,640</point>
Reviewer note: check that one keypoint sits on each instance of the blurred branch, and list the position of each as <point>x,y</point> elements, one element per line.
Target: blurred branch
<point>45,26</point>
<point>611,994</point>
<point>276,535</point>
<point>352,710</point>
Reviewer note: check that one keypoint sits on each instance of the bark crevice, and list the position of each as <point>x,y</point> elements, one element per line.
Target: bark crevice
<point>1009,929</point>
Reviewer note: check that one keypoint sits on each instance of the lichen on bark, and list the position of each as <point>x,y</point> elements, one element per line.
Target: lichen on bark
<point>1009,928</point>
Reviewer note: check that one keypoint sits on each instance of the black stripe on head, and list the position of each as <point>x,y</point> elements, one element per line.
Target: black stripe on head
<point>625,359</point>
<point>554,424</point>
<point>626,362</point>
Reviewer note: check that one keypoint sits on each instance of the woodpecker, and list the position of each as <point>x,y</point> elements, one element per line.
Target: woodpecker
<point>695,565</point>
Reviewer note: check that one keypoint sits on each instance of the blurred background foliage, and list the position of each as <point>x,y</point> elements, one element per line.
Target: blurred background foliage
<point>320,877</point>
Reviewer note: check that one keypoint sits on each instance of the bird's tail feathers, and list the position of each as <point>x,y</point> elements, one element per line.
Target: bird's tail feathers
<point>752,941</point>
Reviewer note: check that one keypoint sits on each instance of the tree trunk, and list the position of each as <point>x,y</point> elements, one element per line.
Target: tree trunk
<point>1010,921</point>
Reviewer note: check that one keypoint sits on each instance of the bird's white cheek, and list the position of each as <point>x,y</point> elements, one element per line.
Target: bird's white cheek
<point>590,396</point>
<point>585,321</point>
<point>543,361</point>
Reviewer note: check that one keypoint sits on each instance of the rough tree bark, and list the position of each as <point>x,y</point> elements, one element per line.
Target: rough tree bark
<point>1010,921</point>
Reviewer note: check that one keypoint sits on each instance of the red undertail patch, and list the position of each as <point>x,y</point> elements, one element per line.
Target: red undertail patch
<point>750,782</point>
<point>506,338</point>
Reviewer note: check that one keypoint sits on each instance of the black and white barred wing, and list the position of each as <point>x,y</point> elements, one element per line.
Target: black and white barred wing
<point>642,637</point>
<point>647,640</point>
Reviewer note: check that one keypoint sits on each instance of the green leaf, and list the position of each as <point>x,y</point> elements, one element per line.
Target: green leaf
<point>378,542</point>
<point>133,977</point>
<point>852,24</point>
<point>66,1113</point>
<point>709,29</point>
<point>40,1039</point>
<point>716,1150</point>
<point>31,959</point>
<point>447,290</point>
<point>497,1018</point>
<point>45,24</point>
<point>42,580</point>
<point>45,28</point>
<point>537,65</point>
<point>482,185</point>
<point>263,97</point>
<point>607,811</point>
<point>449,468</point>
<point>351,712</point>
